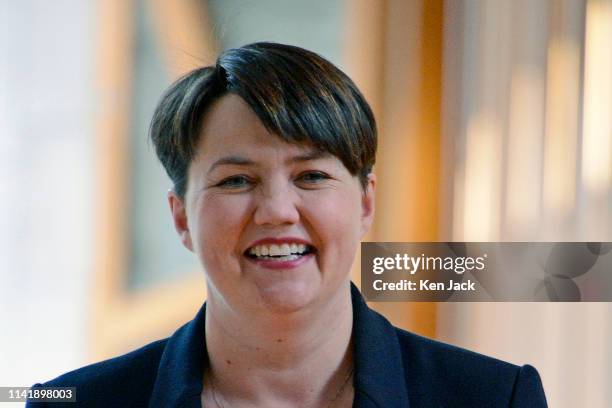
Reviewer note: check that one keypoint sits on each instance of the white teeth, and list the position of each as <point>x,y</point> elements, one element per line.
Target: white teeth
<point>291,257</point>
<point>283,250</point>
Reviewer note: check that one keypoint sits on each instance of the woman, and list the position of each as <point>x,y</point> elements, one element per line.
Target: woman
<point>271,153</point>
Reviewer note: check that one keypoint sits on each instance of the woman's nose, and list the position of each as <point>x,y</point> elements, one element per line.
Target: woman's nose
<point>276,206</point>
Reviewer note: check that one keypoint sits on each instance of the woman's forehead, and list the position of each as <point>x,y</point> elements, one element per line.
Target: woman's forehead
<point>230,123</point>
<point>231,117</point>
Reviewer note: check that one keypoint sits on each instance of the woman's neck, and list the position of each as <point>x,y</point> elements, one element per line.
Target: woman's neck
<point>302,358</point>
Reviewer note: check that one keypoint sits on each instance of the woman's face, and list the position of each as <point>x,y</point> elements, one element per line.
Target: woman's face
<point>274,225</point>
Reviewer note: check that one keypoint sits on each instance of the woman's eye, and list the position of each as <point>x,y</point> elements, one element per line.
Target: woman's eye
<point>234,182</point>
<point>313,177</point>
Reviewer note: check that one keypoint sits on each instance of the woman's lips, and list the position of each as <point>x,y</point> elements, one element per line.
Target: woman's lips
<point>280,252</point>
<point>280,241</point>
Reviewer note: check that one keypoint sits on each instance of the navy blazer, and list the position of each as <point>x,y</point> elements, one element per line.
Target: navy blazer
<point>393,369</point>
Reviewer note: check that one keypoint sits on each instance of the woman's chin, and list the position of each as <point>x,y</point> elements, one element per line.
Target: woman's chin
<point>286,297</point>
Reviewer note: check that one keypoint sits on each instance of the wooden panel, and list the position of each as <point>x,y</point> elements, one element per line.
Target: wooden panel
<point>111,155</point>
<point>406,64</point>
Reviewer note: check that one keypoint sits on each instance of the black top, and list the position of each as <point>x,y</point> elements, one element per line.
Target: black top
<point>393,368</point>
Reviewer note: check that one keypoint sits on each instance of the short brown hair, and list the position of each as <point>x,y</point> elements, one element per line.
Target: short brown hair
<point>297,94</point>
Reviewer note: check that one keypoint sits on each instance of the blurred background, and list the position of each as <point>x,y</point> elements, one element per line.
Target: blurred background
<point>495,122</point>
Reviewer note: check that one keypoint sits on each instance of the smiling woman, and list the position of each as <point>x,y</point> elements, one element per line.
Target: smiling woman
<point>271,153</point>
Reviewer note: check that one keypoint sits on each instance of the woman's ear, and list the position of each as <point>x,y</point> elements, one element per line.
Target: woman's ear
<point>368,204</point>
<point>179,216</point>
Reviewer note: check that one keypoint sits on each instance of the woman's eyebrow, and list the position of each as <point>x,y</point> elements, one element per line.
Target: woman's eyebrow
<point>232,160</point>
<point>312,154</point>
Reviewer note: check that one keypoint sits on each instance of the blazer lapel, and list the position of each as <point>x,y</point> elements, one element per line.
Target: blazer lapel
<point>179,377</point>
<point>380,380</point>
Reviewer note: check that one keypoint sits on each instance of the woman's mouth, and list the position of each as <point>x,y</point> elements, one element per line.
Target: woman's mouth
<point>280,256</point>
<point>281,252</point>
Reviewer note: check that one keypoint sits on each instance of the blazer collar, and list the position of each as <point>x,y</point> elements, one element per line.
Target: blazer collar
<point>379,372</point>
<point>380,380</point>
<point>181,368</point>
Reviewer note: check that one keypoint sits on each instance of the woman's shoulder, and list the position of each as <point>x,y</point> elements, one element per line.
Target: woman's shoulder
<point>121,380</point>
<point>434,353</point>
<point>464,375</point>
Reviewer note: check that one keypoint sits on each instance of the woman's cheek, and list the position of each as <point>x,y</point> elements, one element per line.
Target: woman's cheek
<point>221,233</point>
<point>339,219</point>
